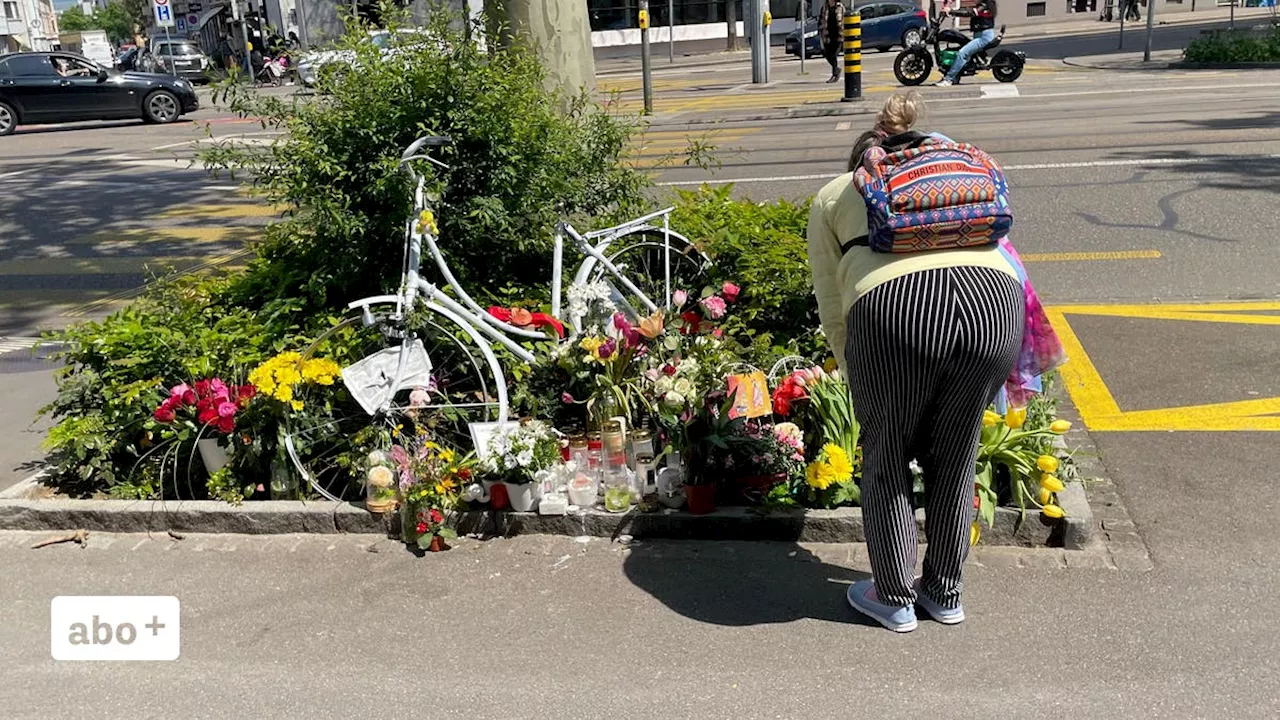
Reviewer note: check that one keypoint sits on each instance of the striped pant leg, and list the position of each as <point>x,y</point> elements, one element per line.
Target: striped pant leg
<point>988,333</point>
<point>899,337</point>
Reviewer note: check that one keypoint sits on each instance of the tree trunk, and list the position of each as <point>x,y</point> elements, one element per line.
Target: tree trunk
<point>560,33</point>
<point>731,19</point>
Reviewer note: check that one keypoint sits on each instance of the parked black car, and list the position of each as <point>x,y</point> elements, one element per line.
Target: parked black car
<point>42,87</point>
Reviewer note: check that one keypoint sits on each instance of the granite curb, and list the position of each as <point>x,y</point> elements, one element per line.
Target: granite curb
<point>729,523</point>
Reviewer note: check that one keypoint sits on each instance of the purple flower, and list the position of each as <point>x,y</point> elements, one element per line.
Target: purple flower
<point>607,349</point>
<point>566,398</point>
<point>620,322</point>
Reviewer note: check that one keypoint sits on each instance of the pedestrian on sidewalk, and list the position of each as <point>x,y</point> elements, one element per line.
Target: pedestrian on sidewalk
<point>831,34</point>
<point>982,23</point>
<point>926,340</point>
<point>1131,10</point>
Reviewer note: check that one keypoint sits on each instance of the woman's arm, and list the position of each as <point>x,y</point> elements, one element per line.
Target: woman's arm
<point>824,264</point>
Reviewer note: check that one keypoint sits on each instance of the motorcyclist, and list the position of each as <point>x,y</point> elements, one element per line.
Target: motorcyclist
<point>983,25</point>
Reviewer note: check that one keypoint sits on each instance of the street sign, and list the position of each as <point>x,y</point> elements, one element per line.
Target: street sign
<point>192,20</point>
<point>163,13</point>
<point>181,24</point>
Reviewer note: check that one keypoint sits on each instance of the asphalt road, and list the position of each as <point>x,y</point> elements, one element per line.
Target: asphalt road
<point>1134,192</point>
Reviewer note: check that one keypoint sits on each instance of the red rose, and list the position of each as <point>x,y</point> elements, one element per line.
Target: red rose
<point>206,412</point>
<point>202,389</point>
<point>226,425</point>
<point>668,369</point>
<point>245,392</point>
<point>422,528</point>
<point>164,413</point>
<point>692,322</point>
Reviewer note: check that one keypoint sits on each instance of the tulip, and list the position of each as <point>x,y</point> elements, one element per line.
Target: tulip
<point>1053,511</point>
<point>651,327</point>
<point>990,419</point>
<point>1051,483</point>
<point>1015,417</point>
<point>679,297</point>
<point>730,291</point>
<point>1047,463</point>
<point>975,533</point>
<point>1046,497</point>
<point>1059,427</point>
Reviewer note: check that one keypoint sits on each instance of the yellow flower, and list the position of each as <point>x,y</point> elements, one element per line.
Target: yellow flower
<point>975,533</point>
<point>1053,511</point>
<point>1046,497</point>
<point>447,455</point>
<point>1051,483</point>
<point>591,344</point>
<point>1060,426</point>
<point>317,370</point>
<point>990,419</point>
<point>815,477</point>
<point>288,375</point>
<point>284,393</point>
<point>1015,417</point>
<point>1047,463</point>
<point>296,405</point>
<point>427,223</point>
<point>838,461</point>
<point>651,327</point>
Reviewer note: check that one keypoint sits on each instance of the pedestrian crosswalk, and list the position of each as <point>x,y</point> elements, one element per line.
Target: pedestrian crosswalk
<point>16,344</point>
<point>661,148</point>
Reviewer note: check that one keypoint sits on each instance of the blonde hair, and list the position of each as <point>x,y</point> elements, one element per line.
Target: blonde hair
<point>900,113</point>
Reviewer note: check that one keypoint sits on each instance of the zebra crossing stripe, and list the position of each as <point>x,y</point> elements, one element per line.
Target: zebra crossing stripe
<point>14,344</point>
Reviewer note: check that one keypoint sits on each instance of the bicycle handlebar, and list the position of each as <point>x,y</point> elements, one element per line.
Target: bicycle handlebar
<point>424,141</point>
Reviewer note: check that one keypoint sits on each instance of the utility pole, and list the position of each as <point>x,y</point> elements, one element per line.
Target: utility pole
<point>760,20</point>
<point>671,31</point>
<point>646,77</point>
<point>804,41</point>
<point>1151,18</point>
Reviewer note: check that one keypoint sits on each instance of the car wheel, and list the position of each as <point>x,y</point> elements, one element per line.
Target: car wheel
<point>161,107</point>
<point>912,37</point>
<point>8,119</point>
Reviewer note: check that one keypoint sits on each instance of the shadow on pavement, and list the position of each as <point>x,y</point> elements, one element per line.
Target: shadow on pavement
<point>1107,40</point>
<point>1265,120</point>
<point>71,127</point>
<point>744,584</point>
<point>1220,171</point>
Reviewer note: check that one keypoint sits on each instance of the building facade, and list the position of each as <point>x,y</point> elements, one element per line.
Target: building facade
<point>27,25</point>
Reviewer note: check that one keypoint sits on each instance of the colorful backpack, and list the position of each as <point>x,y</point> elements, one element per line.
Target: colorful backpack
<point>924,193</point>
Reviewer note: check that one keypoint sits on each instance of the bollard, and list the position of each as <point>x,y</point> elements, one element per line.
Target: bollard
<point>852,57</point>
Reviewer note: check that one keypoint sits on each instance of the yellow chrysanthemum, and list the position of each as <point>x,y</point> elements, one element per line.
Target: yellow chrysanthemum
<point>318,369</point>
<point>284,393</point>
<point>447,455</point>
<point>815,477</point>
<point>296,405</point>
<point>839,462</point>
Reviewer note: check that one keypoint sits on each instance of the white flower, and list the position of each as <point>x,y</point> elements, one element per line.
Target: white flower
<point>509,461</point>
<point>664,385</point>
<point>674,399</point>
<point>525,458</point>
<point>686,366</point>
<point>684,387</point>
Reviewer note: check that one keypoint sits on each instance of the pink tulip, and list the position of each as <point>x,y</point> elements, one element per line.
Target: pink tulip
<point>679,297</point>
<point>730,291</point>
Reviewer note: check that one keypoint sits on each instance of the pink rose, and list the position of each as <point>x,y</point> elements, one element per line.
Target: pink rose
<point>219,389</point>
<point>714,306</point>
<point>730,291</point>
<point>717,333</point>
<point>182,394</point>
<point>679,297</point>
<point>226,409</point>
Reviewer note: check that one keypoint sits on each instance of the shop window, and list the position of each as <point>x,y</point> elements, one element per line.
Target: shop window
<point>1035,9</point>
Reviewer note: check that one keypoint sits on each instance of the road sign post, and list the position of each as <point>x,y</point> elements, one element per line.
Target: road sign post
<point>164,18</point>
<point>804,41</point>
<point>1151,17</point>
<point>760,21</point>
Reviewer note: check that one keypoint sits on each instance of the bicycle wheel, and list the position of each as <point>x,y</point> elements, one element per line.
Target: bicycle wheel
<point>329,445</point>
<point>641,256</point>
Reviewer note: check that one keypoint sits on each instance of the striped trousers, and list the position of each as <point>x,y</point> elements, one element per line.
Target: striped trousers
<point>927,353</point>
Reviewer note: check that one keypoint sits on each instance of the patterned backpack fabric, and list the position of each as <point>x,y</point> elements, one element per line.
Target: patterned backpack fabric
<point>931,195</point>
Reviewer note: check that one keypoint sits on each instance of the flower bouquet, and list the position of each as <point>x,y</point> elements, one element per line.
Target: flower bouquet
<point>1007,445</point>
<point>821,400</point>
<point>202,408</point>
<point>517,455</point>
<point>430,477</point>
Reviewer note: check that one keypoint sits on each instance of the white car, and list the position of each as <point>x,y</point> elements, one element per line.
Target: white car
<point>310,65</point>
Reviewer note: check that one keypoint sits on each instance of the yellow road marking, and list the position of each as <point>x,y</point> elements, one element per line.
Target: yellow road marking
<point>1098,407</point>
<point>1085,256</point>
<point>141,236</point>
<point>238,210</point>
<point>109,265</point>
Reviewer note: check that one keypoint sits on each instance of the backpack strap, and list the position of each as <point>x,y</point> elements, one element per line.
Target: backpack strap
<point>902,141</point>
<point>860,241</point>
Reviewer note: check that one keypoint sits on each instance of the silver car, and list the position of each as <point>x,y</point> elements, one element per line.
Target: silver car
<point>182,58</point>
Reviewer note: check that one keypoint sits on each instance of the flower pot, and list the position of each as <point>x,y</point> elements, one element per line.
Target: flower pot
<point>437,544</point>
<point>702,498</point>
<point>752,488</point>
<point>213,453</point>
<point>523,496</point>
<point>497,494</point>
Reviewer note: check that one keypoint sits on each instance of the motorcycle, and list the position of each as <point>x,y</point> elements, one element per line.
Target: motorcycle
<point>914,64</point>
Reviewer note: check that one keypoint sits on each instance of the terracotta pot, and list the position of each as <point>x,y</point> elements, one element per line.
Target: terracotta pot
<point>437,544</point>
<point>498,499</point>
<point>760,483</point>
<point>702,498</point>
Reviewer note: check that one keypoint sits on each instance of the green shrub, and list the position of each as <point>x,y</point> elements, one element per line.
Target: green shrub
<point>761,247</point>
<point>1235,46</point>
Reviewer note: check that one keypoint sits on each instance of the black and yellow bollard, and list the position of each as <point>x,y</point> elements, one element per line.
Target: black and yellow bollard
<point>852,58</point>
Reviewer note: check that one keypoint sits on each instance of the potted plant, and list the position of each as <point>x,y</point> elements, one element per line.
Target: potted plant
<point>431,478</point>
<point>768,455</point>
<point>516,455</point>
<point>206,411</point>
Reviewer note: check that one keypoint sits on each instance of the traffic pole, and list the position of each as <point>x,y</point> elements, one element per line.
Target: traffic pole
<point>1151,16</point>
<point>173,70</point>
<point>852,58</point>
<point>644,57</point>
<point>804,41</point>
<point>671,31</point>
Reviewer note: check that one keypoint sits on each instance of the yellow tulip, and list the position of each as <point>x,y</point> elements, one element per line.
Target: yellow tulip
<point>830,365</point>
<point>990,419</point>
<point>1053,511</point>
<point>1046,497</point>
<point>1047,463</point>
<point>1015,417</point>
<point>1059,427</point>
<point>1051,483</point>
<point>975,533</point>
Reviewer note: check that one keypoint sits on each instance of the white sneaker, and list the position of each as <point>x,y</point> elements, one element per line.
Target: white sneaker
<point>943,83</point>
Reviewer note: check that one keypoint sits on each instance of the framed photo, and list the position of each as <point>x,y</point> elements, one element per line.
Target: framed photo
<point>482,433</point>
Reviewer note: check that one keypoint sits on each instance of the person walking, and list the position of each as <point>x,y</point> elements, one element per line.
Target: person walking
<point>926,340</point>
<point>982,23</point>
<point>831,34</point>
